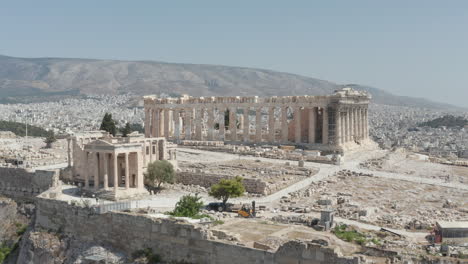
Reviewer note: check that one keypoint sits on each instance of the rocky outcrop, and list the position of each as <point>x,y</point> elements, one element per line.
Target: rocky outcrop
<point>53,248</point>
<point>7,219</point>
<point>14,220</point>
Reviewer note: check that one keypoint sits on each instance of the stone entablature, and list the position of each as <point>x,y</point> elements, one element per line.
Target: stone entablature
<point>331,121</point>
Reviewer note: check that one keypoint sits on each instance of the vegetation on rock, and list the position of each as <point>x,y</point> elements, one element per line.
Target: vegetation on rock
<point>20,129</point>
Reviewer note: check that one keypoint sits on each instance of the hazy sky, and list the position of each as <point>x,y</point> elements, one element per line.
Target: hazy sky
<point>414,48</point>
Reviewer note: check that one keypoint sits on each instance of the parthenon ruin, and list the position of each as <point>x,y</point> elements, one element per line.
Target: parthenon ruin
<point>329,122</point>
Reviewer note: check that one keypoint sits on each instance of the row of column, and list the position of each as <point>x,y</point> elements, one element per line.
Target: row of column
<point>351,124</point>
<point>188,124</point>
<point>103,158</point>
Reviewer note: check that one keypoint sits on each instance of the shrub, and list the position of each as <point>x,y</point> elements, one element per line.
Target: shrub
<point>342,232</point>
<point>148,254</point>
<point>4,252</point>
<point>20,229</point>
<point>188,206</point>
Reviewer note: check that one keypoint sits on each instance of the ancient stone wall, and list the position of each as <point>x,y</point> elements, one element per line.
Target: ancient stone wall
<point>173,240</point>
<point>206,180</point>
<point>22,183</point>
<point>7,217</point>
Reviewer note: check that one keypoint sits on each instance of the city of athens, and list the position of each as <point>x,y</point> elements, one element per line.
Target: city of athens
<point>216,132</point>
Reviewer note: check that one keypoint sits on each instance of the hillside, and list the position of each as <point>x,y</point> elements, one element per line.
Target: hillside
<point>47,77</point>
<point>20,129</point>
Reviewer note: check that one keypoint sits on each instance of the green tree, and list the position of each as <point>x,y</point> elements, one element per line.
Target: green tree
<point>137,127</point>
<point>50,139</point>
<point>108,124</point>
<point>227,188</point>
<point>158,172</point>
<point>126,130</point>
<point>188,206</point>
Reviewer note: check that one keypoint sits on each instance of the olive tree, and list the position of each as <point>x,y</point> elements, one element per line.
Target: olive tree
<point>227,188</point>
<point>158,172</point>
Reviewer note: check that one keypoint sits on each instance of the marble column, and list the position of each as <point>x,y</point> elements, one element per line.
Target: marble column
<point>356,123</point>
<point>147,122</point>
<point>233,123</point>
<point>359,122</point>
<point>96,170</point>
<point>366,123</point>
<point>312,124</point>
<point>139,172</point>
<point>105,167</point>
<point>86,168</point>
<point>258,125</point>
<point>155,123</point>
<point>116,171</point>
<point>337,127</point>
<point>363,125</point>
<point>347,125</point>
<point>188,123</point>
<point>324,125</point>
<point>210,124</point>
<point>156,150</point>
<point>271,124</point>
<point>222,128</point>
<point>150,153</point>
<point>297,124</point>
<point>198,123</point>
<point>351,124</point>
<point>127,171</point>
<point>166,123</point>
<point>160,125</point>
<point>343,127</point>
<point>284,124</point>
<point>176,118</point>
<point>246,124</point>
<point>69,158</point>
<point>171,124</point>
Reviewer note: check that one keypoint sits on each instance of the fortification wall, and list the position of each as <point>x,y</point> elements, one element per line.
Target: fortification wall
<point>22,183</point>
<point>206,180</point>
<point>173,240</point>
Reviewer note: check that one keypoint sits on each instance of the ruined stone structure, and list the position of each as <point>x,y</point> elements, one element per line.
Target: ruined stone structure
<point>321,122</point>
<point>26,183</point>
<point>174,240</point>
<point>116,165</point>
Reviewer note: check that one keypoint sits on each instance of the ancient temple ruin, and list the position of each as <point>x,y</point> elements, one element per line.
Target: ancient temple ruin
<point>113,166</point>
<point>313,122</point>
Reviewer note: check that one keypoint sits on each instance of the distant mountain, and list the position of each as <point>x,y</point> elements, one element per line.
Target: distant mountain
<point>20,77</point>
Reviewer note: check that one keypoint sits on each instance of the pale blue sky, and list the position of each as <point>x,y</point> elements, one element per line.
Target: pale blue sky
<point>414,48</point>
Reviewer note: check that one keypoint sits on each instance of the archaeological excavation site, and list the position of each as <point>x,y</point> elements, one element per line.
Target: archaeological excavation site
<point>286,180</point>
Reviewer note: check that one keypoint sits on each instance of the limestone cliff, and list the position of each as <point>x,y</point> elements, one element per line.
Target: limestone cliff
<point>14,219</point>
<point>53,248</point>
